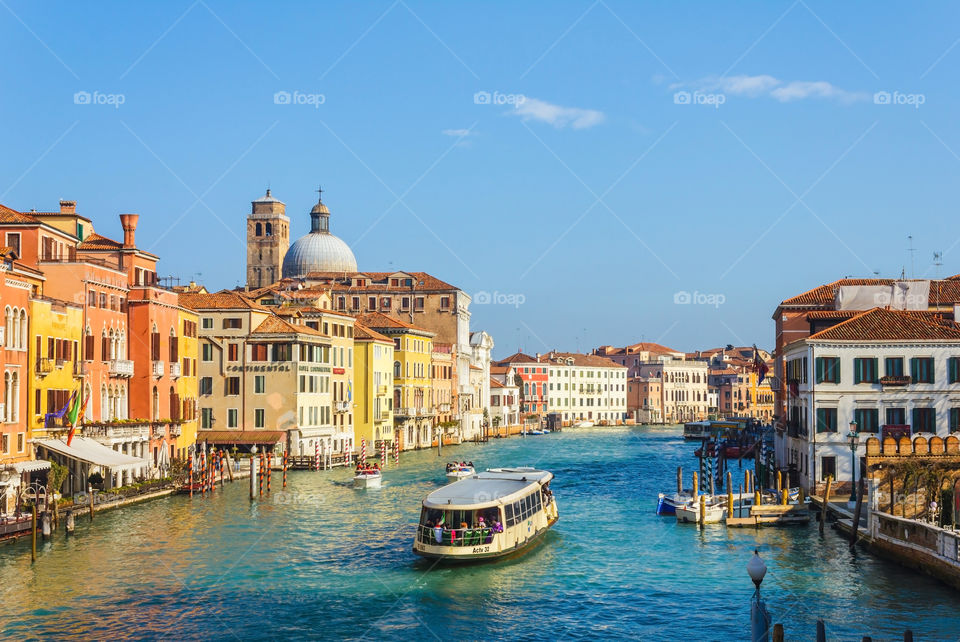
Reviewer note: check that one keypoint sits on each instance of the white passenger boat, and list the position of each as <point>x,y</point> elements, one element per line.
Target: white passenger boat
<point>697,430</point>
<point>369,478</point>
<point>456,471</point>
<point>715,510</point>
<point>491,514</point>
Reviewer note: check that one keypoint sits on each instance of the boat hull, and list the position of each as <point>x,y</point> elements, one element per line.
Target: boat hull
<point>444,555</point>
<point>367,481</point>
<point>691,514</point>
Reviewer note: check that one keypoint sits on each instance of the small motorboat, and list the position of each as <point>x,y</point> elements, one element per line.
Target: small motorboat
<point>459,471</point>
<point>367,478</point>
<point>584,424</point>
<point>667,502</point>
<point>715,510</point>
<point>535,432</point>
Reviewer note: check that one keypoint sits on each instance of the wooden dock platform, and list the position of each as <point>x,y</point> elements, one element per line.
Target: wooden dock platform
<point>773,515</point>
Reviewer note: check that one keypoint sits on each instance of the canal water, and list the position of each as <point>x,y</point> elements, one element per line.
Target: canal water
<point>324,560</point>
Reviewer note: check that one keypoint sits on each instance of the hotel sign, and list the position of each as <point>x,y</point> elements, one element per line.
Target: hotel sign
<point>266,368</point>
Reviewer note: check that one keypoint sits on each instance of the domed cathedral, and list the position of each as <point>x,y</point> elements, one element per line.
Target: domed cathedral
<point>268,237</point>
<point>318,251</point>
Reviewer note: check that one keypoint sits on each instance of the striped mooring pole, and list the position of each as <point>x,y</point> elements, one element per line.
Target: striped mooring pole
<point>396,452</point>
<point>284,469</point>
<point>316,456</point>
<point>363,451</point>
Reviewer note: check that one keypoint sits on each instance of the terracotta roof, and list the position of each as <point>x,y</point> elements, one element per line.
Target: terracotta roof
<point>495,384</point>
<point>8,215</point>
<point>364,333</point>
<point>880,324</point>
<point>97,242</point>
<point>379,320</point>
<point>341,280</point>
<point>275,325</point>
<point>955,277</point>
<point>942,292</point>
<point>586,360</point>
<point>636,347</point>
<point>518,357</point>
<point>945,292</point>
<point>499,369</point>
<point>832,314</point>
<point>222,300</point>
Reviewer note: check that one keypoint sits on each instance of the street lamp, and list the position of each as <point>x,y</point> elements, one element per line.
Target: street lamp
<point>759,618</point>
<point>854,439</point>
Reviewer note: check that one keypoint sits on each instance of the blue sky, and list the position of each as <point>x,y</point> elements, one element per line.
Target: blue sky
<point>739,153</point>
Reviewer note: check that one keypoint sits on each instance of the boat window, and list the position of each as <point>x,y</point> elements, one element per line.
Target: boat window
<point>508,510</point>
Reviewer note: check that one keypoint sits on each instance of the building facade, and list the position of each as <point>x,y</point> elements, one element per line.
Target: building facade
<point>586,387</point>
<point>268,238</point>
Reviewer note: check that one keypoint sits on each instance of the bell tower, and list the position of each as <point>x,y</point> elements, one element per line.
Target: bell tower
<point>268,238</point>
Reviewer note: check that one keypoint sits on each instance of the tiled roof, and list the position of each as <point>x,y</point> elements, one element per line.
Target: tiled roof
<point>518,357</point>
<point>379,320</point>
<point>586,360</point>
<point>342,280</point>
<point>275,325</point>
<point>8,215</point>
<point>98,242</point>
<point>942,292</point>
<point>495,384</point>
<point>364,333</point>
<point>832,314</point>
<point>880,324</point>
<point>502,370</point>
<point>223,300</point>
<point>945,292</point>
<point>635,348</point>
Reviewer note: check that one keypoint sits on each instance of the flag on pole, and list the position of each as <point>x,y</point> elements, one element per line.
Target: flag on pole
<point>76,412</point>
<point>759,366</point>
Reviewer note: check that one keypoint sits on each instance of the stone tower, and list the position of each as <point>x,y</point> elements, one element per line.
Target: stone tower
<point>268,237</point>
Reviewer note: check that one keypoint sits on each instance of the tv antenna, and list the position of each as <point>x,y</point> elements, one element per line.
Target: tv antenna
<point>938,262</point>
<point>911,250</point>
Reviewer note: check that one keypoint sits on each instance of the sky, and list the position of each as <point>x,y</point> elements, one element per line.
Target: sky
<point>591,173</point>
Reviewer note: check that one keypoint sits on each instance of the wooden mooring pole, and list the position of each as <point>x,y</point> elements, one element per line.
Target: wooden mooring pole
<point>33,535</point>
<point>854,532</point>
<point>823,516</point>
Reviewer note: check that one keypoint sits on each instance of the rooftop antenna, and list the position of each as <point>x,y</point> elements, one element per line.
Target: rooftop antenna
<point>938,262</point>
<point>911,250</point>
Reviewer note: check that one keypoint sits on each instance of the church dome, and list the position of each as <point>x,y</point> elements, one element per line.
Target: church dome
<point>318,251</point>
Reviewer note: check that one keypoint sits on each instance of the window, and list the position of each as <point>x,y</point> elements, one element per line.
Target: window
<point>893,366</point>
<point>924,420</point>
<point>232,323</point>
<point>828,467</point>
<point>232,386</point>
<point>826,420</point>
<point>827,369</point>
<point>921,369</point>
<point>91,299</point>
<point>231,418</point>
<point>444,302</point>
<point>206,418</point>
<point>372,303</point>
<point>865,370</point>
<point>282,352</point>
<point>896,416</point>
<point>189,329</point>
<point>13,240</point>
<point>259,420</point>
<point>207,323</point>
<point>206,385</point>
<point>259,385</point>
<point>868,419</point>
<point>955,420</point>
<point>953,369</point>
<point>258,352</point>
<point>405,303</point>
<point>206,352</point>
<point>233,352</point>
<point>385,303</point>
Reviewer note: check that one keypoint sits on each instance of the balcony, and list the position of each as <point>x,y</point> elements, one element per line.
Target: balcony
<point>341,406</point>
<point>174,430</point>
<point>174,369</point>
<point>895,431</point>
<point>45,365</point>
<point>157,368</point>
<point>383,416</point>
<point>381,391</point>
<point>121,368</point>
<point>108,433</point>
<point>405,412</point>
<point>159,430</point>
<point>895,381</point>
<point>444,407</point>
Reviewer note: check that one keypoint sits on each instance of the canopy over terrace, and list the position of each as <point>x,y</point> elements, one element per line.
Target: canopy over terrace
<point>243,439</point>
<point>85,456</point>
<point>12,476</point>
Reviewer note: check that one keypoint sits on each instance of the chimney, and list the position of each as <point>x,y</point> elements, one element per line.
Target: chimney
<point>129,223</point>
<point>68,207</point>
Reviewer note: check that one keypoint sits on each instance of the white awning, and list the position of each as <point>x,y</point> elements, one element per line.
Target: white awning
<point>31,466</point>
<point>93,452</point>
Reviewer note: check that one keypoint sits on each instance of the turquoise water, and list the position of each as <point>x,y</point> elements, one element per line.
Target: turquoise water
<point>324,560</point>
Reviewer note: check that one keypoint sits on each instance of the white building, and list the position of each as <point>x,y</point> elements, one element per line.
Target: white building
<point>685,390</point>
<point>504,404</point>
<point>475,396</point>
<point>586,387</point>
<point>892,372</point>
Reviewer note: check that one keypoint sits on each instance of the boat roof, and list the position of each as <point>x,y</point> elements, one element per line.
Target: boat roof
<point>493,487</point>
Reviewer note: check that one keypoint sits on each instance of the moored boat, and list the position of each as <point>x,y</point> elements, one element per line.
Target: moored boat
<point>667,502</point>
<point>715,510</point>
<point>584,424</point>
<point>491,514</point>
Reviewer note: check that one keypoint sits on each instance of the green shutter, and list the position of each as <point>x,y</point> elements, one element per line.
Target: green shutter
<point>818,366</point>
<point>915,369</point>
<point>821,418</point>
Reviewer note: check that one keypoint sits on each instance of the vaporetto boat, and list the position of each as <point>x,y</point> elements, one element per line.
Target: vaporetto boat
<point>491,514</point>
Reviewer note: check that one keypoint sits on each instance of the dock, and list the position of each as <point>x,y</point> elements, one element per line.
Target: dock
<point>773,515</point>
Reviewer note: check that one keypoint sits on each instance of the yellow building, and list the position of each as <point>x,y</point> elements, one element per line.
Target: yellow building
<point>412,387</point>
<point>187,384</point>
<point>372,387</point>
<point>54,359</point>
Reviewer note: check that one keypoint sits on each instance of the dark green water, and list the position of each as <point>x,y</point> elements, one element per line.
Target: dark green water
<point>324,560</point>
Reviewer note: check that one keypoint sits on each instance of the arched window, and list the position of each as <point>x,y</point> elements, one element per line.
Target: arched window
<point>104,404</point>
<point>15,400</point>
<point>259,230</point>
<point>14,339</point>
<point>396,369</point>
<point>156,404</point>
<point>112,352</point>
<point>6,397</point>
<point>269,229</point>
<point>23,330</point>
<point>122,403</point>
<point>8,326</point>
<point>88,412</point>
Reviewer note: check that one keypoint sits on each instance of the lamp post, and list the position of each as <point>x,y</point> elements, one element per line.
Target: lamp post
<point>759,618</point>
<point>854,439</point>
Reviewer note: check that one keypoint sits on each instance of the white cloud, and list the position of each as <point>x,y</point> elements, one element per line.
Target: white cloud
<point>766,85</point>
<point>557,115</point>
<point>459,133</point>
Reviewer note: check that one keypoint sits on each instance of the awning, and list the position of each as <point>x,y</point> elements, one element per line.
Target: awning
<point>244,437</point>
<point>93,452</point>
<point>31,466</point>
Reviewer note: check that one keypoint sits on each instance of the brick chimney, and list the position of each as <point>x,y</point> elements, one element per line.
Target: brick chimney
<point>68,207</point>
<point>129,223</point>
